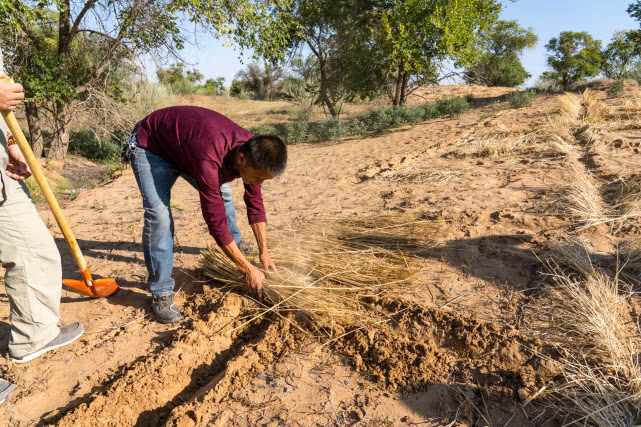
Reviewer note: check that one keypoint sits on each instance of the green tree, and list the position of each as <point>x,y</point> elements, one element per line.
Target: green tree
<point>418,34</point>
<point>332,30</point>
<point>215,86</point>
<point>573,57</point>
<point>500,65</point>
<point>634,10</point>
<point>81,43</point>
<point>179,79</point>
<point>622,57</point>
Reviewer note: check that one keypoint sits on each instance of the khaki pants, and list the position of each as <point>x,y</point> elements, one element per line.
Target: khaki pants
<point>33,279</point>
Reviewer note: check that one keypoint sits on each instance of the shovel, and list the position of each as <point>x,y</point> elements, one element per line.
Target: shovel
<point>88,286</point>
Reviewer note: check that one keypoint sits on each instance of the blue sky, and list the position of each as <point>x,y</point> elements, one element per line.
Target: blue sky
<point>600,18</point>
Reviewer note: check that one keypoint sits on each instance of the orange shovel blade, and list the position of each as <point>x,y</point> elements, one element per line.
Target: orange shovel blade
<point>101,287</point>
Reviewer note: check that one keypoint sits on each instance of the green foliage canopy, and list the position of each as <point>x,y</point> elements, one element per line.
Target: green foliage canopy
<point>622,57</point>
<point>573,57</point>
<point>500,65</point>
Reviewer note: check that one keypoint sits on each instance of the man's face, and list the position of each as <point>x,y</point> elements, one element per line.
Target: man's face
<point>251,175</point>
<point>254,176</point>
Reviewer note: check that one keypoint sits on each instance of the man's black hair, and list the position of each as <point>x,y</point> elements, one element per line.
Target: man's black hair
<point>267,152</point>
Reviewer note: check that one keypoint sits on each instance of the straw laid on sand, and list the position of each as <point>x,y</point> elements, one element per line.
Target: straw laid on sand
<point>326,266</point>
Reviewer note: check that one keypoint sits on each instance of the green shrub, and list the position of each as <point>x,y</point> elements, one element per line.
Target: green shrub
<point>263,129</point>
<point>412,115</point>
<point>332,130</point>
<point>86,144</point>
<point>616,89</point>
<point>430,111</point>
<point>452,107</point>
<point>376,120</point>
<point>519,99</point>
<point>297,131</point>
<point>354,126</point>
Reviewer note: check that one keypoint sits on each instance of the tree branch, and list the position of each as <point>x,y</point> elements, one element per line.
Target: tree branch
<point>81,15</point>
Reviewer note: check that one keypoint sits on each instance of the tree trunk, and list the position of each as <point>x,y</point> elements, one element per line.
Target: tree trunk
<point>399,84</point>
<point>35,131</point>
<point>323,89</point>
<point>62,116</point>
<point>406,78</point>
<point>62,119</point>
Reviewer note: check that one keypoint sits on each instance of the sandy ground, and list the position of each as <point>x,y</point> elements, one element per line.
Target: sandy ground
<point>459,354</point>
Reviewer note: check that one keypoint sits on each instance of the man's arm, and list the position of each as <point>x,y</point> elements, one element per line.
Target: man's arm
<point>260,232</point>
<point>253,276</point>
<point>213,209</point>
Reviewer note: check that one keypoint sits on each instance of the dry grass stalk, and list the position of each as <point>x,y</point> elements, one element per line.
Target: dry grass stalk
<point>630,256</point>
<point>571,107</point>
<point>594,110</point>
<point>628,200</point>
<point>559,146</point>
<point>595,141</point>
<point>584,201</point>
<point>499,145</point>
<point>306,293</point>
<point>602,374</point>
<point>327,265</point>
<point>423,176</point>
<point>573,253</point>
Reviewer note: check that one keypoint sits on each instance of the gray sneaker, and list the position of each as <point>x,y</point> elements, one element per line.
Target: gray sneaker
<point>166,310</point>
<point>67,335</point>
<point>6,390</point>
<point>245,248</point>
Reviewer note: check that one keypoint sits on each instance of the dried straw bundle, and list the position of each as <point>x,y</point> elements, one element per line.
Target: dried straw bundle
<point>326,266</point>
<point>589,322</point>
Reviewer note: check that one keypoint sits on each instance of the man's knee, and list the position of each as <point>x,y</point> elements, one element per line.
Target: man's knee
<point>158,216</point>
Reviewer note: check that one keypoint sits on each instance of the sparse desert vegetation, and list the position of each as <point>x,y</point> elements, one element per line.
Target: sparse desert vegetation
<point>448,255</point>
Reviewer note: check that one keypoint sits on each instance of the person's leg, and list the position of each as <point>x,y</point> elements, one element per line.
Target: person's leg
<point>230,212</point>
<point>155,177</point>
<point>33,278</point>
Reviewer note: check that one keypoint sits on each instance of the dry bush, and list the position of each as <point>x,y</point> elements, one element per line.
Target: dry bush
<point>327,265</point>
<point>104,115</point>
<point>601,378</point>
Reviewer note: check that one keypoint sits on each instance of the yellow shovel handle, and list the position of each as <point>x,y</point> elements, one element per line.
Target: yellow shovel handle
<point>39,176</point>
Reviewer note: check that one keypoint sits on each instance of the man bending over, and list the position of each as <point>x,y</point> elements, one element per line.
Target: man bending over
<point>208,150</point>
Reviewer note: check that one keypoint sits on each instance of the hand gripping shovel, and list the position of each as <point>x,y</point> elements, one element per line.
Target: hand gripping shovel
<point>88,286</point>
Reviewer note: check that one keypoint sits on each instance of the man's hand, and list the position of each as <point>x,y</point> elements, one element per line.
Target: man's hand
<point>267,262</point>
<point>17,167</point>
<point>253,276</point>
<point>254,281</point>
<point>11,94</point>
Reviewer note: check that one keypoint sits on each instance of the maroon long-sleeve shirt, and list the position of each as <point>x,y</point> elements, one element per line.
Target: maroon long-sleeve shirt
<point>202,144</point>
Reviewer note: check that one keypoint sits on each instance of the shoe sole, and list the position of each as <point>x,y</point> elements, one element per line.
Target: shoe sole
<point>40,352</point>
<point>10,395</point>
<point>167,322</point>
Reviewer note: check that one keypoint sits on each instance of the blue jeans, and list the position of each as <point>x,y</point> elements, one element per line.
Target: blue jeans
<point>155,177</point>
